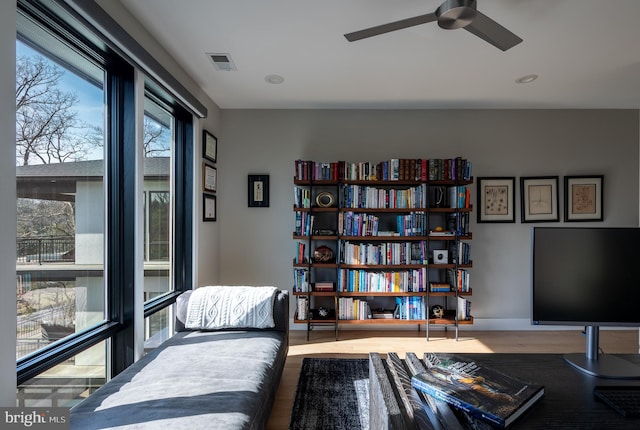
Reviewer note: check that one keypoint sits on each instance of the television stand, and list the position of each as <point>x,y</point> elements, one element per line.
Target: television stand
<point>601,365</point>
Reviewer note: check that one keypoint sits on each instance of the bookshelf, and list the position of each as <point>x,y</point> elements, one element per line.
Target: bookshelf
<point>382,243</point>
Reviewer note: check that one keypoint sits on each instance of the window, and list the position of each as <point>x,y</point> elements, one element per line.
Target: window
<point>77,197</point>
<point>60,165</point>
<point>157,244</point>
<point>158,143</point>
<point>67,383</point>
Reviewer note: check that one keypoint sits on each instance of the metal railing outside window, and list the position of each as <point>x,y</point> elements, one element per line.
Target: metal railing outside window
<point>49,249</point>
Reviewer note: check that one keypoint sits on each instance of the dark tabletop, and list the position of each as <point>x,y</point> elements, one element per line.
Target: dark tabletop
<point>568,402</point>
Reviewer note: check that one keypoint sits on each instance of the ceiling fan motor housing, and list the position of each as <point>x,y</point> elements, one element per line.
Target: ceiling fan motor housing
<point>453,14</point>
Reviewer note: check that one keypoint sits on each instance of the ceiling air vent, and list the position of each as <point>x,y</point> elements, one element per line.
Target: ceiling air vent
<point>223,62</point>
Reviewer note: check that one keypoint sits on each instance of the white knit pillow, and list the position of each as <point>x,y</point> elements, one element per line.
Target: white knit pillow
<point>217,307</point>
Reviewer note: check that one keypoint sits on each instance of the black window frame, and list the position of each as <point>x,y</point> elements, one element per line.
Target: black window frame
<point>183,206</point>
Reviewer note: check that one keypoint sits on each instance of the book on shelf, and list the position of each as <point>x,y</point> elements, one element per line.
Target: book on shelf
<point>441,233</point>
<point>301,280</point>
<point>350,308</point>
<point>485,393</point>
<point>464,309</point>
<point>388,233</point>
<point>301,308</point>
<point>459,197</point>
<point>300,253</point>
<point>324,286</point>
<point>384,314</point>
<point>439,287</point>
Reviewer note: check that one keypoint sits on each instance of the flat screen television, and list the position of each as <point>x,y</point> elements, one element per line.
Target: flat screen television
<point>588,276</point>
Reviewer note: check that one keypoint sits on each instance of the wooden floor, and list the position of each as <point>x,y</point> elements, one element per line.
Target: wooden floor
<point>357,344</point>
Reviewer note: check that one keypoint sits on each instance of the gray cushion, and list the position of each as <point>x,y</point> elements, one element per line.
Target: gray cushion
<point>196,380</point>
<point>222,379</point>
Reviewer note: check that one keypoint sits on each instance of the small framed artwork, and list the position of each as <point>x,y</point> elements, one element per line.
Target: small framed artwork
<point>496,201</point>
<point>583,198</point>
<point>258,191</point>
<point>209,178</point>
<point>209,146</point>
<point>539,199</point>
<point>209,207</point>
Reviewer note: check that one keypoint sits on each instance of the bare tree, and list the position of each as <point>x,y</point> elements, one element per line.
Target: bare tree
<point>155,138</point>
<point>47,126</point>
<point>37,218</point>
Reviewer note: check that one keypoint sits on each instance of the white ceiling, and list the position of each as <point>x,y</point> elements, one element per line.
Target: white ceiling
<point>586,53</point>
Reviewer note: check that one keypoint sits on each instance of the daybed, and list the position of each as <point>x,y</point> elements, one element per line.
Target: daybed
<point>198,379</point>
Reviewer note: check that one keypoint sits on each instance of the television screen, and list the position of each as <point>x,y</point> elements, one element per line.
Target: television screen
<point>586,276</point>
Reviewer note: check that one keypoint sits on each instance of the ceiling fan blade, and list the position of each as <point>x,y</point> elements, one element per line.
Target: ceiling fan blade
<point>392,26</point>
<point>492,32</point>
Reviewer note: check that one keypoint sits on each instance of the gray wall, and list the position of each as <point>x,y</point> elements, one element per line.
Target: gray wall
<point>256,243</point>
<point>8,208</point>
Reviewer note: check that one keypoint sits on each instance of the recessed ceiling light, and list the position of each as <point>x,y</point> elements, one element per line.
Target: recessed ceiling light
<point>526,79</point>
<point>274,79</point>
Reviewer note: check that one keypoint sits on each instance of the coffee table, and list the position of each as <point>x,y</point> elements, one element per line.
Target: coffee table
<point>568,402</point>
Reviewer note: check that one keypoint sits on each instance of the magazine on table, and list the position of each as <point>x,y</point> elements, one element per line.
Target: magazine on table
<point>483,392</point>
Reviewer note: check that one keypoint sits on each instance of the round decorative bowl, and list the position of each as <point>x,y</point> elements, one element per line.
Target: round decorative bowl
<point>323,254</point>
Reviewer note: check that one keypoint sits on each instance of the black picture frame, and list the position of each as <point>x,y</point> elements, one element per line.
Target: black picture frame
<point>496,199</point>
<point>583,198</point>
<point>539,199</point>
<point>209,146</point>
<point>258,191</point>
<point>209,178</point>
<point>209,207</point>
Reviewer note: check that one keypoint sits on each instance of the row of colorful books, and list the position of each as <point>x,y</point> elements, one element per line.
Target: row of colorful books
<point>350,308</point>
<point>304,223</point>
<point>384,253</point>
<point>460,252</point>
<point>301,197</point>
<point>407,308</point>
<point>367,197</point>
<point>459,280</point>
<point>300,280</point>
<point>410,308</point>
<point>368,281</point>
<point>395,169</point>
<point>362,224</point>
<point>463,309</point>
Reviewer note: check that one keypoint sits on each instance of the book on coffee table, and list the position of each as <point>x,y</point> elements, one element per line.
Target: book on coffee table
<point>483,392</point>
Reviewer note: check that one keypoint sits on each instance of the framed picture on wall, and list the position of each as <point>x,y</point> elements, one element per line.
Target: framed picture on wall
<point>209,146</point>
<point>209,178</point>
<point>258,191</point>
<point>583,198</point>
<point>496,202</point>
<point>539,199</point>
<point>209,207</point>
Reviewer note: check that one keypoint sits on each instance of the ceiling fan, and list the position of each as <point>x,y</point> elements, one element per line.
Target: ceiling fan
<point>450,15</point>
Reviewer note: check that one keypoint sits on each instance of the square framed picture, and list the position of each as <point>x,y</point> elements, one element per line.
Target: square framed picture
<point>209,208</point>
<point>209,178</point>
<point>496,199</point>
<point>258,191</point>
<point>539,199</point>
<point>209,146</point>
<point>583,198</point>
